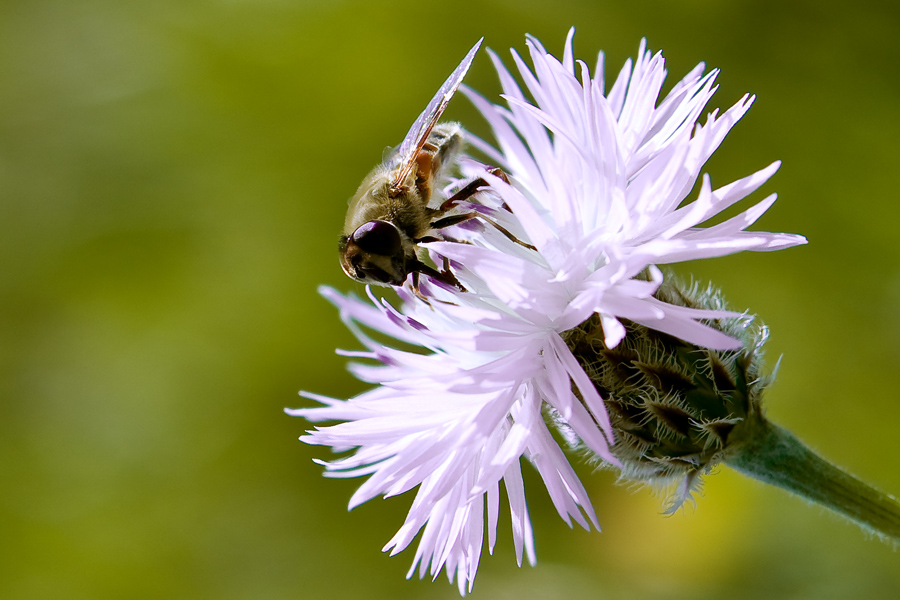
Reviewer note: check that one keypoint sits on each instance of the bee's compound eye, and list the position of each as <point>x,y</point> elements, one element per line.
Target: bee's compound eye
<point>378,237</point>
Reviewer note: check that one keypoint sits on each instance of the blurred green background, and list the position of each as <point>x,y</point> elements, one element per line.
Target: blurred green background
<point>173,176</point>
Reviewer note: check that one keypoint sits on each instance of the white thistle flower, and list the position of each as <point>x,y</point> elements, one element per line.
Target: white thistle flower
<point>598,183</point>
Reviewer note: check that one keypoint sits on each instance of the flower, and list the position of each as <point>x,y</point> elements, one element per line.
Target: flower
<point>593,204</point>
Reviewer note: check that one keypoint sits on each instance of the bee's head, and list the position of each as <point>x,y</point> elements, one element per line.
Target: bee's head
<point>374,253</point>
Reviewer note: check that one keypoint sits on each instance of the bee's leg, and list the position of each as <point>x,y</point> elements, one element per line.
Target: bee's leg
<point>498,172</point>
<point>453,220</point>
<point>415,287</point>
<point>446,271</point>
<point>421,296</point>
<point>457,219</point>
<point>471,188</point>
<point>444,276</point>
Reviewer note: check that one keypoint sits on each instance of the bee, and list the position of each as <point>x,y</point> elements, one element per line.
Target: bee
<point>390,213</point>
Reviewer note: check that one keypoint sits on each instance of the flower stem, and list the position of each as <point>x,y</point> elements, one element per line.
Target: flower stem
<point>773,455</point>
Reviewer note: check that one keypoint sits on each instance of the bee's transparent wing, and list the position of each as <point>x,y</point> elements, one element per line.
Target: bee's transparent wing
<point>406,154</point>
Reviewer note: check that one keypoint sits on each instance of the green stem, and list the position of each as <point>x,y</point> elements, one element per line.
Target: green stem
<point>773,455</point>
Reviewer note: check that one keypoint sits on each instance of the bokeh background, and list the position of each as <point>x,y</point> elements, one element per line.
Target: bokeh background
<point>173,176</point>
